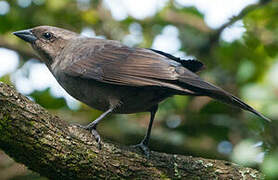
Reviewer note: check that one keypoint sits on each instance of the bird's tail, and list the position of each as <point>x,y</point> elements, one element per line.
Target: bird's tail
<point>235,101</point>
<point>204,88</point>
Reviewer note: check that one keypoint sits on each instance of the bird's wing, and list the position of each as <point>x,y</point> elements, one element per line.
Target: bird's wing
<point>122,65</point>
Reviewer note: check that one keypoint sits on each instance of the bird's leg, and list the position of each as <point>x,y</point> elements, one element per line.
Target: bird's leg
<point>143,145</point>
<point>93,125</point>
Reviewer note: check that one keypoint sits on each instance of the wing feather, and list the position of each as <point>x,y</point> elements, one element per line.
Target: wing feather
<point>123,66</point>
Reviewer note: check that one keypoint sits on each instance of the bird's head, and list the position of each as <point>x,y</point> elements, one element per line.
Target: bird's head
<point>47,41</point>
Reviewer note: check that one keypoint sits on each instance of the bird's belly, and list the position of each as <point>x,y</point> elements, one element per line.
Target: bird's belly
<point>134,99</point>
<point>84,90</point>
<point>103,96</point>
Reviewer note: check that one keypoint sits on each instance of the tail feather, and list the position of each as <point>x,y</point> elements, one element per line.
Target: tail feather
<point>204,88</point>
<point>238,102</point>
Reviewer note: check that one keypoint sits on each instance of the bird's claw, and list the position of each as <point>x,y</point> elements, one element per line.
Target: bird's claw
<point>144,148</point>
<point>94,132</point>
<point>97,137</point>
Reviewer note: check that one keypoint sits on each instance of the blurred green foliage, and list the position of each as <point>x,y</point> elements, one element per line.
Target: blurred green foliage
<point>185,125</point>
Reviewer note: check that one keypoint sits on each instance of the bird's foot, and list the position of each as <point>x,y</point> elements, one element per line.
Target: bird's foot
<point>144,148</point>
<point>94,132</point>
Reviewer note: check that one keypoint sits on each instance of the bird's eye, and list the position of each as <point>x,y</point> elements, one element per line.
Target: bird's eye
<point>47,35</point>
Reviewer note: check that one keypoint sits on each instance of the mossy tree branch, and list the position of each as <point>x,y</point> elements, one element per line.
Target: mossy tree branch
<point>57,150</point>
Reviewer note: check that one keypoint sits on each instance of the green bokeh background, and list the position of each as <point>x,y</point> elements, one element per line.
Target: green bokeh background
<point>196,126</point>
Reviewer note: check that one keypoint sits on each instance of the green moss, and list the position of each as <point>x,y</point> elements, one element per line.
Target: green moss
<point>4,120</point>
<point>5,124</point>
<point>164,177</point>
<point>32,123</point>
<point>91,153</point>
<point>177,173</point>
<point>44,141</point>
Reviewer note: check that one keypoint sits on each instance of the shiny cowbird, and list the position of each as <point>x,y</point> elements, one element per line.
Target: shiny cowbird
<point>115,78</point>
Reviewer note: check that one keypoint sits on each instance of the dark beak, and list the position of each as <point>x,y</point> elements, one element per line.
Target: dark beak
<point>26,35</point>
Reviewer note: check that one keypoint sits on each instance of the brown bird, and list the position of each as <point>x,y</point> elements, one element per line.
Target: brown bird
<point>115,78</point>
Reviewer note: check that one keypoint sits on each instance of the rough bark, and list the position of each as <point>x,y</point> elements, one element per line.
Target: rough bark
<point>57,150</point>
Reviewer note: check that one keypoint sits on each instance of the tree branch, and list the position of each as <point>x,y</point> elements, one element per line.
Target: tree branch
<point>216,35</point>
<point>57,150</point>
<point>188,19</point>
